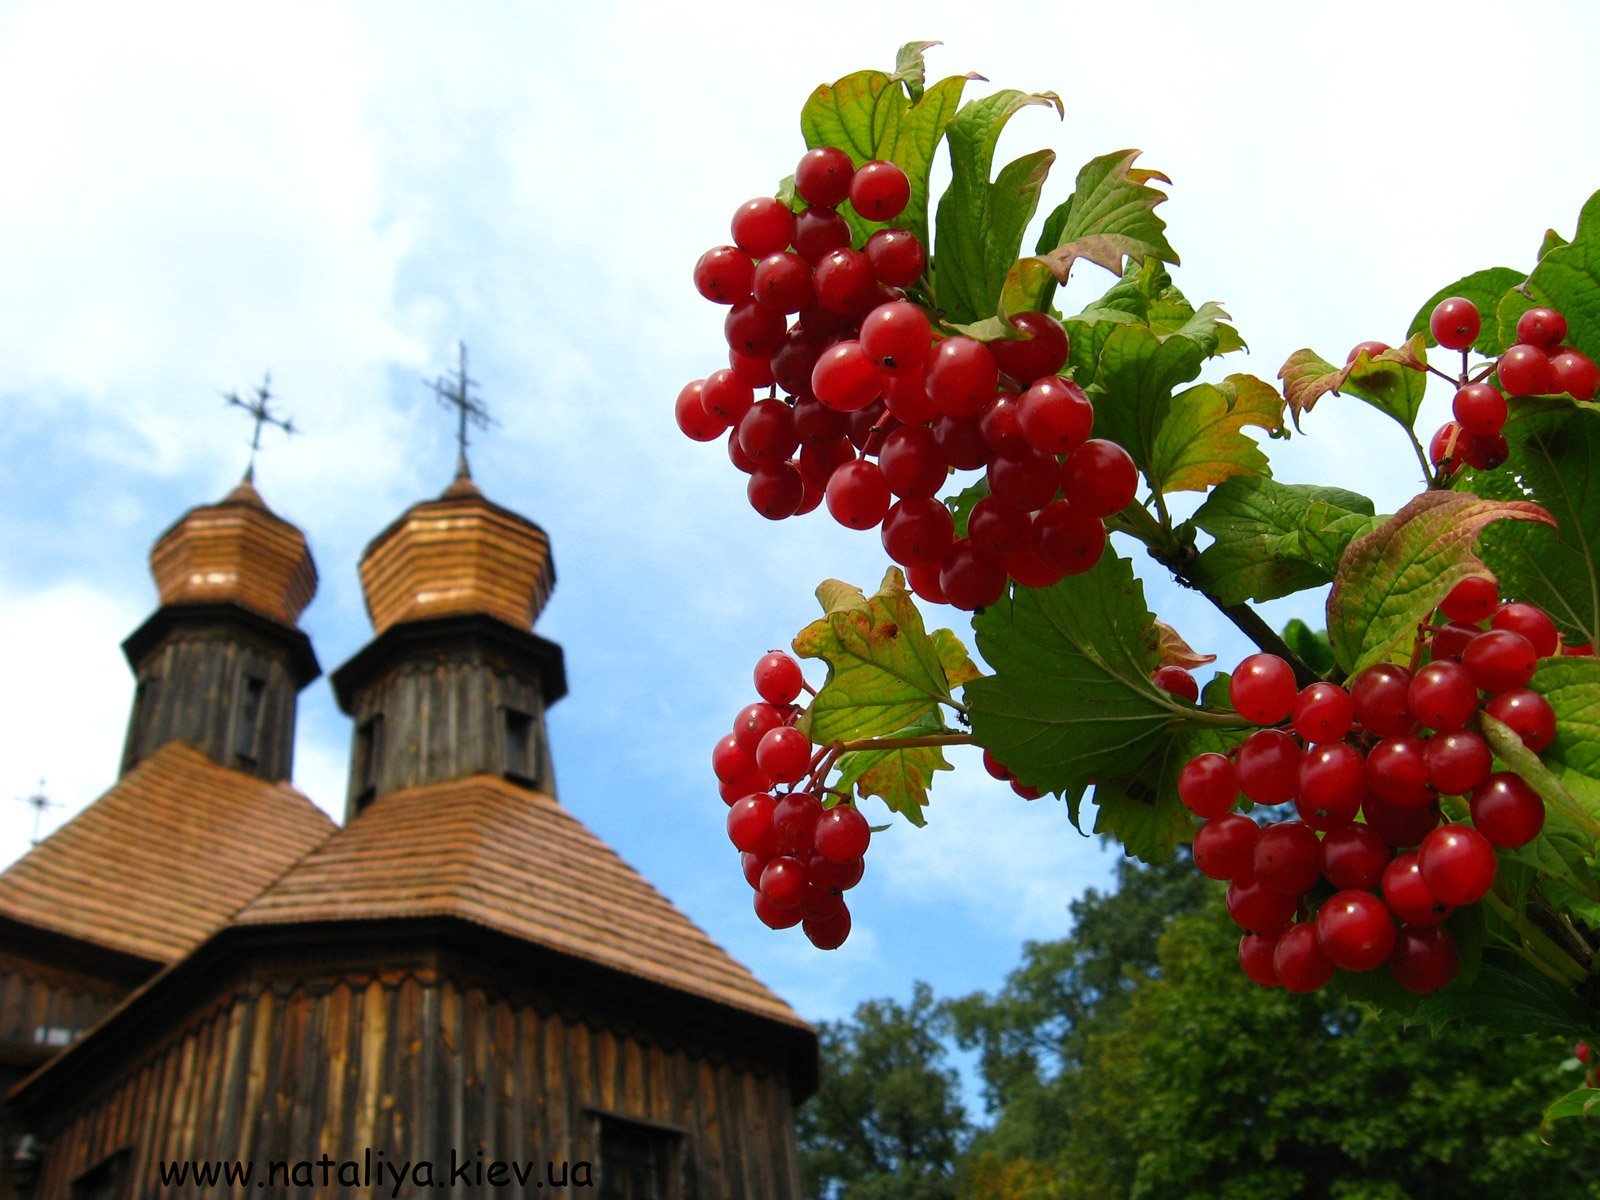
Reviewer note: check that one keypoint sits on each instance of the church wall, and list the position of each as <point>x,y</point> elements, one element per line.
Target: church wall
<point>417,1065</point>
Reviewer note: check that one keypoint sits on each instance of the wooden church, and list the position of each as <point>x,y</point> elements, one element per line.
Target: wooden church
<point>461,990</point>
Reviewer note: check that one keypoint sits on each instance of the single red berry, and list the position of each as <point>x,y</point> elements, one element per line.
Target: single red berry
<point>1575,374</point>
<point>1268,764</point>
<point>823,175</point>
<point>1398,773</point>
<point>767,433</point>
<point>1406,892</point>
<point>1451,639</point>
<point>911,462</point>
<point>750,825</point>
<point>783,282</point>
<point>962,377</point>
<point>752,723</point>
<point>1472,600</point>
<point>1372,349</point>
<point>783,881</point>
<point>1040,352</point>
<point>1379,696</point>
<point>1258,908</point>
<point>818,231</point>
<point>1442,695</point>
<point>918,531</point>
<point>1029,479</point>
<point>1424,959</point>
<point>844,283</point>
<point>828,932</point>
<point>897,257</point>
<point>1399,826</point>
<point>794,819</point>
<point>999,527</point>
<point>836,877</point>
<point>1581,1053</point>
<point>1301,965</point>
<point>1354,856</point>
<point>1355,930</point>
<point>1528,715</point>
<point>1287,858</point>
<point>1447,449</point>
<point>1255,958</point>
<point>725,396</point>
<point>1457,762</point>
<point>1524,370</point>
<point>1100,477</point>
<point>844,378</point>
<point>879,190</point>
<point>961,442</point>
<point>1331,784</point>
<point>1177,682</point>
<point>763,226</point>
<point>1067,539</point>
<point>1454,324</point>
<point>1055,415</point>
<point>773,917</point>
<point>857,496</point>
<point>777,491</point>
<point>1323,712</point>
<point>970,578</point>
<point>897,336</point>
<point>1262,689</point>
<point>754,329</point>
<point>1207,784</point>
<point>1458,864</point>
<point>1480,409</point>
<point>730,761</point>
<point>995,767</point>
<point>1487,452</point>
<point>1507,811</point>
<point>692,417</point>
<point>842,834</point>
<point>723,275</point>
<point>1543,328</point>
<point>1225,845</point>
<point>784,753</point>
<point>778,679</point>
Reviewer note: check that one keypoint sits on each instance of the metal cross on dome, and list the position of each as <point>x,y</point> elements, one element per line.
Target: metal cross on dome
<point>457,392</point>
<point>39,802</point>
<point>259,407</point>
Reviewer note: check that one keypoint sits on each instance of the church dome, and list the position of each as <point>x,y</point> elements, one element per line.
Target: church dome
<point>236,550</point>
<point>458,554</point>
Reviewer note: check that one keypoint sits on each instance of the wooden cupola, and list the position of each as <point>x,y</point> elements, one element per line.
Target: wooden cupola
<point>221,662</point>
<point>455,683</point>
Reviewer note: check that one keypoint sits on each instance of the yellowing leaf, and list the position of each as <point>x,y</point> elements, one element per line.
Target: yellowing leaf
<point>1202,442</point>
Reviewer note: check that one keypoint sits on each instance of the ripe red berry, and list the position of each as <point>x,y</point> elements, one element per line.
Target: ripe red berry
<point>1457,762</point>
<point>1207,784</point>
<point>723,275</point>
<point>857,496</point>
<point>1258,908</point>
<point>1067,539</point>
<point>879,190</point>
<point>1532,623</point>
<point>1372,349</point>
<point>1225,845</point>
<point>1472,600</point>
<point>828,932</point>
<point>794,819</point>
<point>783,882</point>
<point>1287,858</point>
<point>1055,415</point>
<point>754,329</point>
<point>773,917</point>
<point>1486,453</point>
<point>784,753</point>
<point>1507,811</point>
<point>918,531</point>
<point>1301,965</point>
<point>1450,640</point>
<point>1458,864</point>
<point>692,417</point>
<point>1379,695</point>
<point>1524,370</point>
<point>969,578</point>
<point>999,527</point>
<point>1028,479</point>
<point>1355,930</point>
<point>1331,784</point>
<point>1480,409</point>
<point>1499,660</point>
<point>1255,958</point>
<point>1268,765</point>
<point>1177,682</point>
<point>783,282</point>
<point>1323,712</point>
<point>1262,689</point>
<point>897,336</point>
<point>842,834</point>
<point>1447,449</point>
<point>750,825</point>
<point>1543,328</point>
<point>822,177</point>
<point>777,678</point>
<point>962,377</point>
<point>1099,477</point>
<point>844,378</point>
<point>897,257</point>
<point>844,283</point>
<point>1354,856</point>
<point>1041,352</point>
<point>1529,716</point>
<point>1398,773</point>
<point>1442,695</point>
<point>767,433</point>
<point>1575,374</point>
<point>763,226</point>
<point>1454,323</point>
<point>776,490</point>
<point>1424,959</point>
<point>1399,826</point>
<point>752,723</point>
<point>818,231</point>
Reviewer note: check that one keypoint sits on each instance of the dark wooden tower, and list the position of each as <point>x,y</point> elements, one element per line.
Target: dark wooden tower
<point>463,973</point>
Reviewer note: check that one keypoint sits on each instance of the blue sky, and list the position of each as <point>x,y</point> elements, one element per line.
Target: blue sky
<point>198,193</point>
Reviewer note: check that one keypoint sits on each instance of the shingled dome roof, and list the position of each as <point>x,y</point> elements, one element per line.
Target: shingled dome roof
<point>458,554</point>
<point>237,549</point>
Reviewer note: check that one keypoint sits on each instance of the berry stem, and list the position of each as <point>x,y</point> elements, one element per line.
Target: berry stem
<point>1536,946</point>
<point>905,743</point>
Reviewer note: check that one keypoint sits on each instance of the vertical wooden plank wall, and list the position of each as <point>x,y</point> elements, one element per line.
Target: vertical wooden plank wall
<point>416,1066</point>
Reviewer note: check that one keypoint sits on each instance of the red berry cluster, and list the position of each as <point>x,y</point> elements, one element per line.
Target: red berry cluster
<point>1365,768</point>
<point>1538,365</point>
<point>871,404</point>
<point>798,856</point>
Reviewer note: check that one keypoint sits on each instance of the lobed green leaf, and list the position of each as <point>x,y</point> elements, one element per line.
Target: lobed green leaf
<point>1202,443</point>
<point>1109,218</point>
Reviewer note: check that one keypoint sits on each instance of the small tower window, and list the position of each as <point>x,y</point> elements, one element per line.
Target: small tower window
<point>369,752</point>
<point>248,729</point>
<point>520,757</point>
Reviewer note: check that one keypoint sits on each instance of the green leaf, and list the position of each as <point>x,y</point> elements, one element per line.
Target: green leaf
<point>980,223</point>
<point>1485,289</point>
<point>1551,241</point>
<point>1071,698</point>
<point>1110,217</point>
<point>1555,453</point>
<point>1568,280</point>
<point>1272,539</point>
<point>1574,1104</point>
<point>1392,382</point>
<point>1391,579</point>
<point>1145,295</point>
<point>1509,997</point>
<point>1133,385</point>
<point>1142,809</point>
<point>1201,443</point>
<point>900,777</point>
<point>1024,288</point>
<point>1310,645</point>
<point>871,116</point>
<point>910,69</point>
<point>884,672</point>
<point>1173,651</point>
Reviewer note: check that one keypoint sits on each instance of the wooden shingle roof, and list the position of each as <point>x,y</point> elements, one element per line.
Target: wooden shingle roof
<point>515,861</point>
<point>163,860</point>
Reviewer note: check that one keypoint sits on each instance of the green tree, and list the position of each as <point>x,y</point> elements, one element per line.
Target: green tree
<point>887,1122</point>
